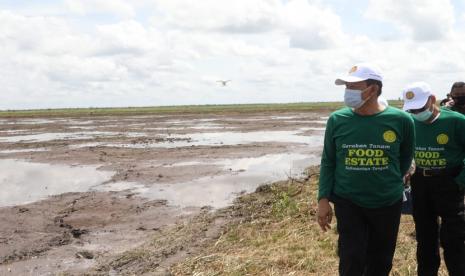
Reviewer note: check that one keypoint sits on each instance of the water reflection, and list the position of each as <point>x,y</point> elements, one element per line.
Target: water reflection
<point>228,138</point>
<point>24,182</point>
<point>244,175</point>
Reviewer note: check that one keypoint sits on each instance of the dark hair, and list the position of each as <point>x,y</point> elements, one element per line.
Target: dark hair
<point>376,82</point>
<point>457,84</point>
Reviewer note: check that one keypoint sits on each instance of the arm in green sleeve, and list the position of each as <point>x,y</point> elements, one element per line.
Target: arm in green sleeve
<point>460,179</point>
<point>328,162</point>
<point>407,147</point>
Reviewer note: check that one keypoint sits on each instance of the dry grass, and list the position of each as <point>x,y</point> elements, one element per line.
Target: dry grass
<point>269,232</point>
<point>280,237</point>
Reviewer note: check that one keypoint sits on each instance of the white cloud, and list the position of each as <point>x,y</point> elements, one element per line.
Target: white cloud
<point>40,35</point>
<point>126,37</point>
<point>311,26</point>
<point>423,21</point>
<point>120,8</point>
<point>274,51</point>
<point>240,16</point>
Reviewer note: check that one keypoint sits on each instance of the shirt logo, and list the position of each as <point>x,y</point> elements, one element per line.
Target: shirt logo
<point>442,139</point>
<point>353,69</point>
<point>389,136</point>
<point>409,95</point>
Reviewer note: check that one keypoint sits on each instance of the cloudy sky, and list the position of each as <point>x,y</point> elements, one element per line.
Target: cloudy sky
<point>95,53</point>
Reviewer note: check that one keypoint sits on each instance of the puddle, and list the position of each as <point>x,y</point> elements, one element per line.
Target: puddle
<point>54,136</point>
<point>24,182</point>
<point>28,122</point>
<point>43,137</point>
<point>189,163</point>
<point>244,175</point>
<point>229,138</point>
<point>118,186</point>
<point>164,128</point>
<point>188,122</point>
<point>312,128</point>
<point>85,145</point>
<point>211,126</point>
<point>192,121</point>
<point>103,125</point>
<point>24,150</point>
<point>79,122</point>
<point>133,134</point>
<point>15,131</point>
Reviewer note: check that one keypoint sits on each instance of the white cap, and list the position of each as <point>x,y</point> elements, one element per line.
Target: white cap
<point>415,95</point>
<point>361,72</point>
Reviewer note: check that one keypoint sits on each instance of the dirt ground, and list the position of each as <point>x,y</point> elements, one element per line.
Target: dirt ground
<point>83,232</point>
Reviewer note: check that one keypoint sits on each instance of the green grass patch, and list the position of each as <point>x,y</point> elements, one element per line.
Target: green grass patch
<point>230,108</point>
<point>183,109</point>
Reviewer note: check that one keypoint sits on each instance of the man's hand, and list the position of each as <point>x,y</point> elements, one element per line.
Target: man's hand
<point>324,214</point>
<point>449,103</point>
<point>410,172</point>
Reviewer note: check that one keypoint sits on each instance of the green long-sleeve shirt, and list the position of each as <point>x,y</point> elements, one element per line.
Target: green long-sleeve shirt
<point>365,157</point>
<point>441,144</point>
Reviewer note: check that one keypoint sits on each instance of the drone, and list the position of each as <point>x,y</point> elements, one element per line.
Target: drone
<point>223,82</point>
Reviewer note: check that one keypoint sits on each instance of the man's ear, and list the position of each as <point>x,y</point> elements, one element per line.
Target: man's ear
<point>433,99</point>
<point>375,88</point>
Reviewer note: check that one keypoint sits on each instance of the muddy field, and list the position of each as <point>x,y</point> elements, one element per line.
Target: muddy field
<point>79,191</point>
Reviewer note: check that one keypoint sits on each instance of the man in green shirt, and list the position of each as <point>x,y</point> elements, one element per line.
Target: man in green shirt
<point>368,148</point>
<point>457,95</point>
<point>438,182</point>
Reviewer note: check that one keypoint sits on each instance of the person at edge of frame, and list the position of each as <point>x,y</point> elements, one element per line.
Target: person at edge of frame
<point>456,98</point>
<point>438,182</point>
<point>368,148</point>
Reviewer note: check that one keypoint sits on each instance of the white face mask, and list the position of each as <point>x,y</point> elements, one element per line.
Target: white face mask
<point>353,98</point>
<point>424,115</point>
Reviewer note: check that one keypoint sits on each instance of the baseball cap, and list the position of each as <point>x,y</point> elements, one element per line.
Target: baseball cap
<point>361,72</point>
<point>415,95</point>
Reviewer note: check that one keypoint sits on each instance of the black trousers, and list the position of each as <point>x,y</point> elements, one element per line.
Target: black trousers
<point>367,237</point>
<point>434,198</point>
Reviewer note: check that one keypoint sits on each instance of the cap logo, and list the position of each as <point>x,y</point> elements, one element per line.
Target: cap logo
<point>442,139</point>
<point>353,69</point>
<point>409,95</point>
<point>389,136</point>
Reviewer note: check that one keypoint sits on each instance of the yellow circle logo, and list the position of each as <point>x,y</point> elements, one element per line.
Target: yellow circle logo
<point>353,69</point>
<point>409,95</point>
<point>442,139</point>
<point>389,136</point>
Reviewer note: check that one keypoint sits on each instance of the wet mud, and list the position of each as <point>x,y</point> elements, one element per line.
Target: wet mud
<point>76,192</point>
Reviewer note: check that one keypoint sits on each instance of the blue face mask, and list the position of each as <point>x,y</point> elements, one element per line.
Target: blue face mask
<point>353,98</point>
<point>423,116</point>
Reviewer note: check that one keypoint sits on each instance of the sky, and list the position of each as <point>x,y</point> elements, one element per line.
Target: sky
<point>102,53</point>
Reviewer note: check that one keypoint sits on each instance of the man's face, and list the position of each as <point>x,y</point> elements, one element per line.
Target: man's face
<point>360,85</point>
<point>458,92</point>
<point>458,95</point>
